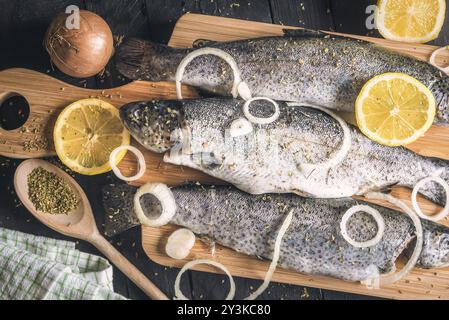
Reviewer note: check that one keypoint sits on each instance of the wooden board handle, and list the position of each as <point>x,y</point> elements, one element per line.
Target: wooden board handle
<point>127,268</point>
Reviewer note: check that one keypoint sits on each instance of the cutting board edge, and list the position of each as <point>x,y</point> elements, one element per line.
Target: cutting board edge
<point>314,281</point>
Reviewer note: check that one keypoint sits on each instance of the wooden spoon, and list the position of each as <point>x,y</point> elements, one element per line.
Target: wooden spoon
<point>80,223</point>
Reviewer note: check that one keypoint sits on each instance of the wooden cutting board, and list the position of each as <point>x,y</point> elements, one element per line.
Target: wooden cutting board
<point>48,96</point>
<point>419,284</point>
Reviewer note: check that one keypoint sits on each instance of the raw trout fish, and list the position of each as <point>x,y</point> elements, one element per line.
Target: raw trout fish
<point>312,244</point>
<point>303,65</point>
<point>273,158</point>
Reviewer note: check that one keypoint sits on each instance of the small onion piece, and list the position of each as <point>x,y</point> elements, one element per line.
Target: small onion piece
<point>140,159</point>
<point>377,217</point>
<point>178,293</point>
<point>345,145</point>
<point>274,261</point>
<point>179,244</point>
<point>166,199</point>
<point>237,85</point>
<point>240,127</point>
<point>386,279</point>
<point>257,120</point>
<point>244,91</point>
<point>433,59</point>
<point>443,213</point>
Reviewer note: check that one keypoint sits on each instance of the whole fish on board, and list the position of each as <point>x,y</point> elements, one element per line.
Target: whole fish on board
<point>276,157</point>
<point>303,65</point>
<point>312,244</point>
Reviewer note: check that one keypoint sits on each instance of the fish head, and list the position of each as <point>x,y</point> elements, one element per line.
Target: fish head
<point>153,123</point>
<point>435,252</point>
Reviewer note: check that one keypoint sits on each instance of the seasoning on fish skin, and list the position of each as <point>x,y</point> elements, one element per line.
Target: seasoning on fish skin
<point>271,158</point>
<point>313,243</point>
<point>302,66</point>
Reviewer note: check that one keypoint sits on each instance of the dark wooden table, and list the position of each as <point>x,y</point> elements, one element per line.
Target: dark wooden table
<point>22,27</point>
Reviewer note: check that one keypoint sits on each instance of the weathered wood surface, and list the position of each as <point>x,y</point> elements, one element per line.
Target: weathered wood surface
<point>22,26</point>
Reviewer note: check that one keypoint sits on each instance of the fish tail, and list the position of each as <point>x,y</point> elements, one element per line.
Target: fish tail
<point>139,59</point>
<point>441,92</point>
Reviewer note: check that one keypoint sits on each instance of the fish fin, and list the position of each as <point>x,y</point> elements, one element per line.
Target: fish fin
<point>139,59</point>
<point>208,160</point>
<point>117,199</point>
<point>309,33</point>
<point>201,43</point>
<point>302,193</point>
<point>304,33</point>
<point>388,188</point>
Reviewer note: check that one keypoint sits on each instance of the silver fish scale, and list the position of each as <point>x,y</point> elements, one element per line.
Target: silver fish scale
<point>313,243</point>
<point>300,135</point>
<point>321,70</point>
<point>310,67</point>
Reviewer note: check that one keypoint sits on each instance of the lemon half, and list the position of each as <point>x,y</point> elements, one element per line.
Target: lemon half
<point>395,109</point>
<point>85,134</point>
<point>417,21</point>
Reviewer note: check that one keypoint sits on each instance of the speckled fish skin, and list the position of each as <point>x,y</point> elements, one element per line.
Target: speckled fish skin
<point>299,136</point>
<point>302,66</point>
<point>313,243</point>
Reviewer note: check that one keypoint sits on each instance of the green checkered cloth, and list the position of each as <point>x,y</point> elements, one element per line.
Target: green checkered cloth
<point>33,267</point>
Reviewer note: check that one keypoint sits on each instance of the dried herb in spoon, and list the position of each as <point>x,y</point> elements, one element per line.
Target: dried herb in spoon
<point>49,193</point>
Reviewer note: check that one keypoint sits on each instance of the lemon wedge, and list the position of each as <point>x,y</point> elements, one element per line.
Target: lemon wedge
<point>417,21</point>
<point>395,109</point>
<point>85,134</point>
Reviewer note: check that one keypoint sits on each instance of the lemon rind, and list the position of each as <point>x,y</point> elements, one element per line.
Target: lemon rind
<point>58,143</point>
<point>387,34</point>
<point>364,93</point>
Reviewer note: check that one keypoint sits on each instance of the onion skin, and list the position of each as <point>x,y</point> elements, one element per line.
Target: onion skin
<point>83,52</point>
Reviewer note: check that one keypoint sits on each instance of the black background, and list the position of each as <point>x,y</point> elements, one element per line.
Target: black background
<point>22,27</point>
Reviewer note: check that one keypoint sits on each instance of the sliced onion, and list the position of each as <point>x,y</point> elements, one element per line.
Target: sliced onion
<point>258,120</point>
<point>244,91</point>
<point>433,59</point>
<point>178,293</point>
<point>345,145</point>
<point>139,156</point>
<point>240,127</point>
<point>443,213</point>
<point>274,261</point>
<point>179,244</point>
<point>165,197</point>
<point>377,282</point>
<point>377,217</point>
<point>238,86</point>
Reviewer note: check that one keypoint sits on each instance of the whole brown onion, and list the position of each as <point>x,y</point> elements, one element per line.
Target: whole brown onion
<point>82,52</point>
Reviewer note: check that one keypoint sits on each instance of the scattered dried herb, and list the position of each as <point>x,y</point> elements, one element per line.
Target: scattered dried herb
<point>50,193</point>
<point>37,144</point>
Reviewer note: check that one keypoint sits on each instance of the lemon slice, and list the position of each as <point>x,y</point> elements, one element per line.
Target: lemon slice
<point>417,21</point>
<point>395,109</point>
<point>85,134</point>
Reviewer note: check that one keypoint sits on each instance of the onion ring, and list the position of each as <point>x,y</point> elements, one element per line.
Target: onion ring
<point>274,261</point>
<point>377,282</point>
<point>165,197</point>
<point>443,213</point>
<point>433,59</point>
<point>178,293</point>
<point>345,146</point>
<point>140,158</point>
<point>238,86</point>
<point>258,120</point>
<point>377,217</point>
